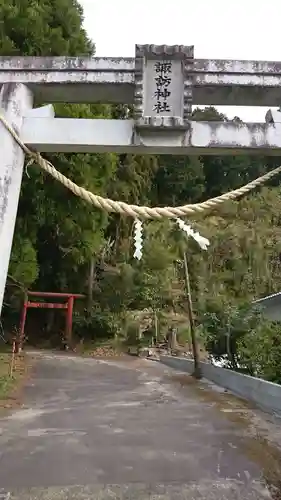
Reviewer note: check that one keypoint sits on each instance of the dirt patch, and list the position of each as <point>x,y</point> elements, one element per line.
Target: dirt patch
<point>106,352</point>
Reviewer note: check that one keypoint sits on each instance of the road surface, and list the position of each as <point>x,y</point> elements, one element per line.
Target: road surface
<point>134,429</point>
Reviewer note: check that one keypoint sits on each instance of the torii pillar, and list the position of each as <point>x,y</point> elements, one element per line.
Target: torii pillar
<point>15,101</point>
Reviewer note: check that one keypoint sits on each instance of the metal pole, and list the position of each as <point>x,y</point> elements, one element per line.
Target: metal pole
<point>156,326</point>
<point>15,100</point>
<point>197,369</point>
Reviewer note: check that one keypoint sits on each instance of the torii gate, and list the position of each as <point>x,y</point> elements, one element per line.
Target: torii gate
<point>162,82</point>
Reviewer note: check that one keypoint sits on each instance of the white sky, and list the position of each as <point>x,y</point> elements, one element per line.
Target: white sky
<point>218,29</point>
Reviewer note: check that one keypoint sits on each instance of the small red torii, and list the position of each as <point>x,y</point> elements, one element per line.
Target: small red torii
<point>67,305</point>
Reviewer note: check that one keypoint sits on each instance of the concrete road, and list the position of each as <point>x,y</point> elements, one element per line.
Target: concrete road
<point>132,430</point>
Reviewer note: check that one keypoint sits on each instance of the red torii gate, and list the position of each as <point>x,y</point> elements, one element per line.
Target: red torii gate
<point>67,305</point>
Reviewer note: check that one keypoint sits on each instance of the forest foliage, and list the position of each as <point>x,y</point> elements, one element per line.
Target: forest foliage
<point>63,244</point>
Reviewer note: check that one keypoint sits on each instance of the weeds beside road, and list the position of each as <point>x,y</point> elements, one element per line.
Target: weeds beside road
<point>9,384</point>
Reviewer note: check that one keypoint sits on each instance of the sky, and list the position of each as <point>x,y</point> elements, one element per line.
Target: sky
<point>218,29</point>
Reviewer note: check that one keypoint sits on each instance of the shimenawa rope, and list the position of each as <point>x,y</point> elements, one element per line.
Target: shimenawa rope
<point>135,211</point>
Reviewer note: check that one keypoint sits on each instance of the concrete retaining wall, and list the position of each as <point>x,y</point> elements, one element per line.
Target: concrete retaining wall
<point>265,395</point>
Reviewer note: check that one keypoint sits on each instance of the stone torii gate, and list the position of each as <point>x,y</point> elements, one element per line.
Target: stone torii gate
<point>162,82</point>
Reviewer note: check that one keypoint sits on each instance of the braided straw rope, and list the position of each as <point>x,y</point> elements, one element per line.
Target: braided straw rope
<point>135,211</point>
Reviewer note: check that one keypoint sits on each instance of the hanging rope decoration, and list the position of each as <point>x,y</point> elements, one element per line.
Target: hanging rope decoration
<point>138,229</point>
<point>140,212</point>
<point>202,242</point>
<point>138,236</point>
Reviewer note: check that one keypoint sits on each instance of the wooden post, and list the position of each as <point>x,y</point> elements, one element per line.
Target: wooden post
<point>156,326</point>
<point>12,362</point>
<point>68,326</point>
<point>91,278</point>
<point>197,369</point>
<point>22,322</point>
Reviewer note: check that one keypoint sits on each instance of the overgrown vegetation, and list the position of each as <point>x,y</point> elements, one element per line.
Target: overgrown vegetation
<point>62,244</point>
<point>9,380</point>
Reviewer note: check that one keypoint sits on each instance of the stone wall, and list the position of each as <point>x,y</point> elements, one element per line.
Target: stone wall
<point>265,395</point>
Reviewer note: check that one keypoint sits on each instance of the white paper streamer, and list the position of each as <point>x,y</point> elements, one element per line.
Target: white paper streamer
<point>202,242</point>
<point>138,239</point>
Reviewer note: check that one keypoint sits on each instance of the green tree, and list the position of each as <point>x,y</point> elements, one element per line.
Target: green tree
<point>43,28</point>
<point>57,235</point>
<point>179,180</point>
<point>224,327</point>
<point>156,276</point>
<point>259,350</point>
<point>60,230</point>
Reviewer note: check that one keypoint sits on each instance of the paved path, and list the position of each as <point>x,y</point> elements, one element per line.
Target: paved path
<point>129,430</point>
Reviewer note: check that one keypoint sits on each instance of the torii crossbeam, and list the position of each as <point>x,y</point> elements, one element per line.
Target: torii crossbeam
<point>162,82</point>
